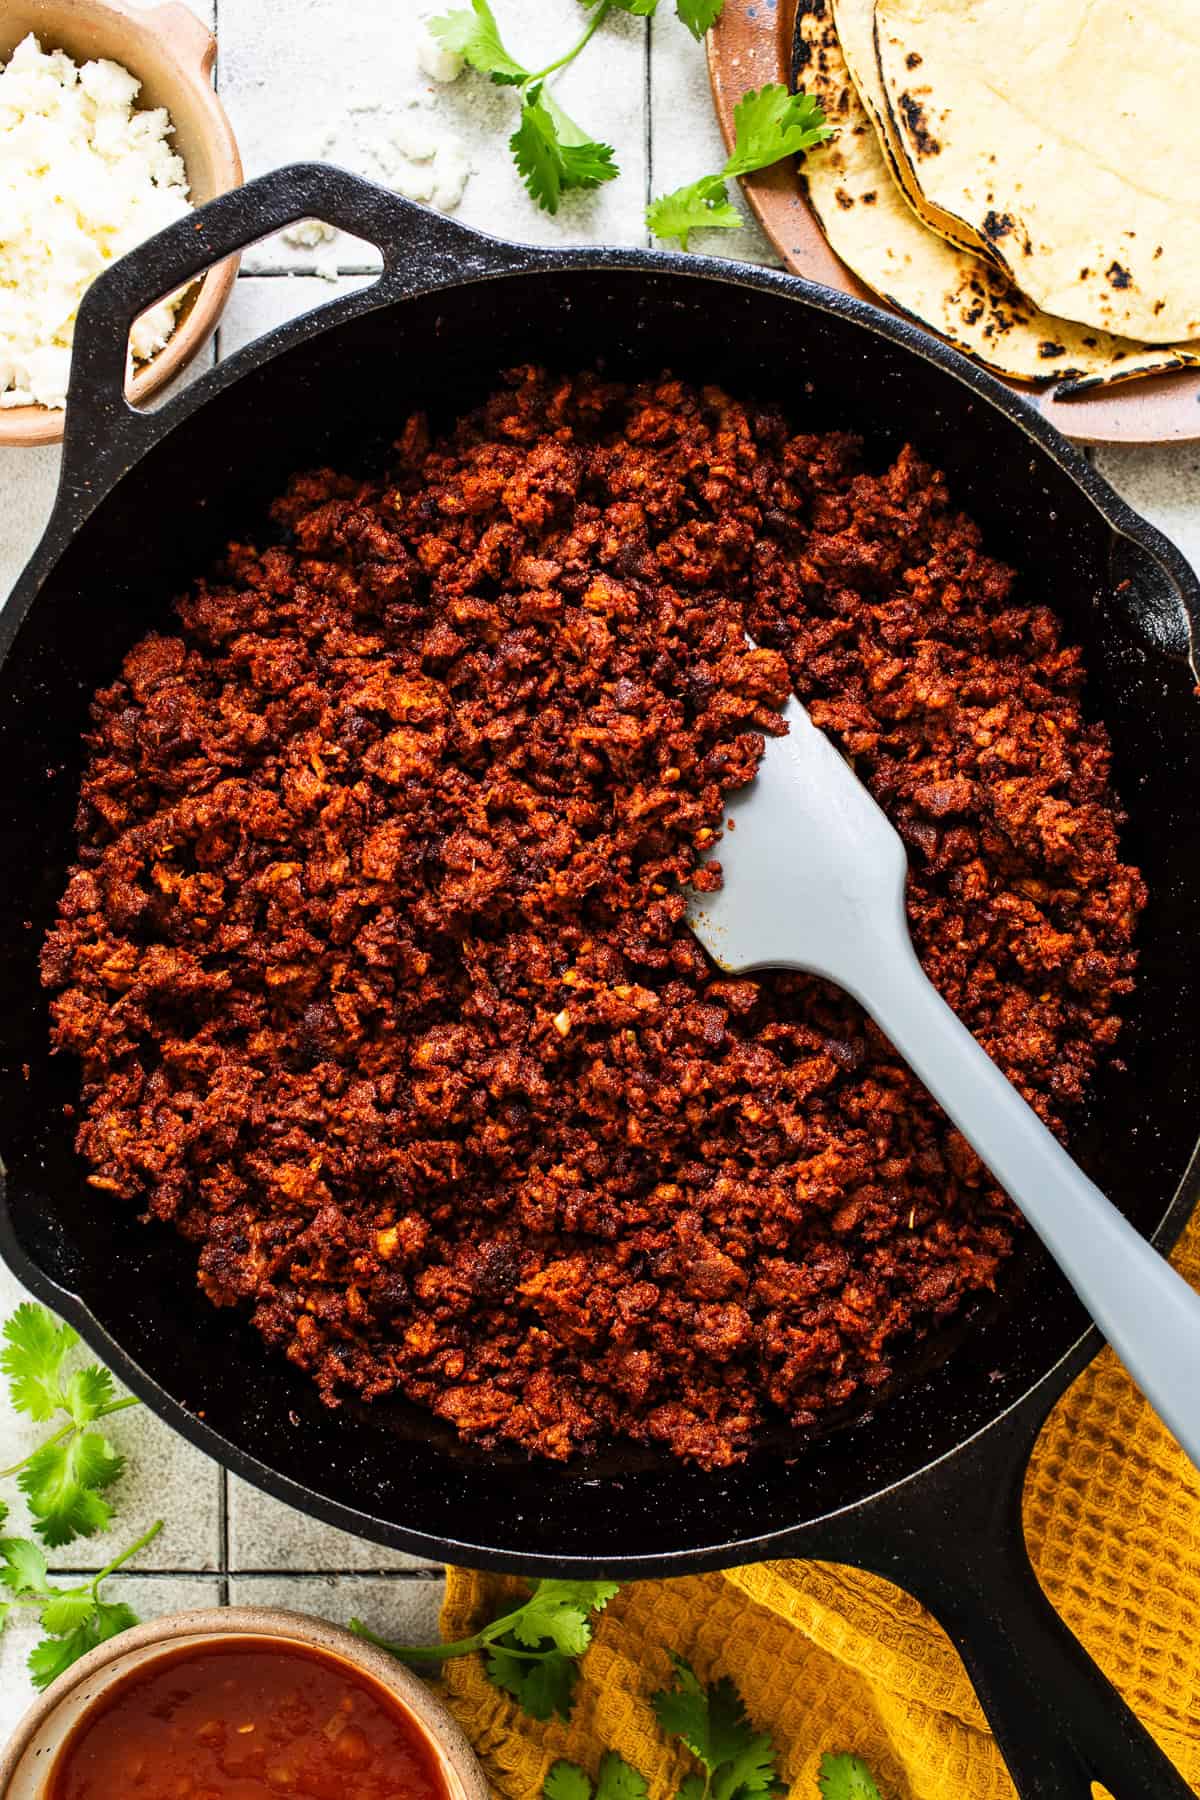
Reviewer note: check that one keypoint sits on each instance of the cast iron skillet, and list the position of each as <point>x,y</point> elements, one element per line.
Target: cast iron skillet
<point>926,1491</point>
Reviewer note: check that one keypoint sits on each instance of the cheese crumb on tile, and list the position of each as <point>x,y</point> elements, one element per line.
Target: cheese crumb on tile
<point>451,171</point>
<point>432,60</point>
<point>309,234</point>
<point>83,179</point>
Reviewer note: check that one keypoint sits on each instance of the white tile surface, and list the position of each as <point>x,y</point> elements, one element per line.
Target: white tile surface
<point>1163,482</point>
<point>401,1607</point>
<point>261,302</point>
<point>266,1534</point>
<point>290,71</point>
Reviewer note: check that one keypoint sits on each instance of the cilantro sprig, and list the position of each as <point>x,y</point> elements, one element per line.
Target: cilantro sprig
<point>845,1777</point>
<point>63,1481</point>
<point>74,1619</point>
<point>736,1762</point>
<point>769,125</point>
<point>553,154</point>
<point>531,1651</point>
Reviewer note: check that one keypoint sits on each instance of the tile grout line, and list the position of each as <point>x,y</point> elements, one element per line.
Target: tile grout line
<point>223,1529</point>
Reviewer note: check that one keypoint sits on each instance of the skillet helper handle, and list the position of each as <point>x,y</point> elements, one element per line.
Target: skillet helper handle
<point>1148,1313</point>
<point>959,1547</point>
<point>103,432</point>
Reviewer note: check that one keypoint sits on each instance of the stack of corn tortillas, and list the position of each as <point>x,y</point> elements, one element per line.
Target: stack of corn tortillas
<point>1021,175</point>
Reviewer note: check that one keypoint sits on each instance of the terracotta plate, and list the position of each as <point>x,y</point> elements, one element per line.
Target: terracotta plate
<point>752,43</point>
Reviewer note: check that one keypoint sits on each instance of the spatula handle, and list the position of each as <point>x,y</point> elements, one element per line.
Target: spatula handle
<point>1148,1313</point>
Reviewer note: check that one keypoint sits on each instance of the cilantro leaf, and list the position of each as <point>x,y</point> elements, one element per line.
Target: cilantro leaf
<point>66,1610</point>
<point>845,1777</point>
<point>89,1394</point>
<point>113,1617</point>
<point>566,1781</point>
<point>60,1482</point>
<point>560,1611</point>
<point>542,1687</point>
<point>768,125</point>
<point>751,1771</point>
<point>699,15</point>
<point>35,1347</point>
<point>23,1569</point>
<point>475,36</point>
<point>553,155</point>
<point>51,1656</point>
<point>691,1788</point>
<point>772,124</point>
<point>712,1723</point>
<point>696,207</point>
<point>616,1780</point>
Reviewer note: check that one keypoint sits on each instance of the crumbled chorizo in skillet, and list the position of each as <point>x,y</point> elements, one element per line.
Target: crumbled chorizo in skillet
<point>375,955</point>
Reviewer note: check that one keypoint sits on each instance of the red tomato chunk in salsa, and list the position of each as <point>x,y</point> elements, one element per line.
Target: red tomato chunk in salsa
<point>245,1721</point>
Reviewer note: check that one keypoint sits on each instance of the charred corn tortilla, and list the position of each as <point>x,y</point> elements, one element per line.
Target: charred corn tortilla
<point>1066,133</point>
<point>854,21</point>
<point>968,300</point>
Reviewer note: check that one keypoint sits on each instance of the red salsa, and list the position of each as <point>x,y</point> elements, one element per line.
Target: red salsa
<point>250,1719</point>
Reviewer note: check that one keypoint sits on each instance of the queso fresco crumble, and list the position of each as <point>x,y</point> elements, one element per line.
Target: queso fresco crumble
<point>83,179</point>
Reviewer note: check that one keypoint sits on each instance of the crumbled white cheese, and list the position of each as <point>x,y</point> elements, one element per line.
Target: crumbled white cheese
<point>309,234</point>
<point>413,154</point>
<point>438,63</point>
<point>83,179</point>
<point>452,169</point>
<point>414,139</point>
<point>414,180</point>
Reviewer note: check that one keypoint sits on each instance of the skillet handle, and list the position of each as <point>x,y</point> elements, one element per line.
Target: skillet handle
<point>959,1547</point>
<point>103,433</point>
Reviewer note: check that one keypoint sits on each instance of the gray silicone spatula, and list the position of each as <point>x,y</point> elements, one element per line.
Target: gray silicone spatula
<point>814,880</point>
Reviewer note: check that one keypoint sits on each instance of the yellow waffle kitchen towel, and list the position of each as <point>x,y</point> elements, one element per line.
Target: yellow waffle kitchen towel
<point>830,1658</point>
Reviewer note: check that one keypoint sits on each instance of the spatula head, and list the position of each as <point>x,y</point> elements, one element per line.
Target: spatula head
<point>814,873</point>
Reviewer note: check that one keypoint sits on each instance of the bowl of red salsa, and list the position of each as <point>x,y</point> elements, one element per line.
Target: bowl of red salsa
<point>238,1704</point>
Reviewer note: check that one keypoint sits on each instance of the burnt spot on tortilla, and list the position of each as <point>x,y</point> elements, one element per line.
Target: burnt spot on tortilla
<point>844,200</point>
<point>1090,342</point>
<point>997,225</point>
<point>1157,254</point>
<point>914,118</point>
<point>912,60</point>
<point>1158,305</point>
<point>1084,274</point>
<point>869,199</point>
<point>974,314</point>
<point>1120,278</point>
<point>1048,348</point>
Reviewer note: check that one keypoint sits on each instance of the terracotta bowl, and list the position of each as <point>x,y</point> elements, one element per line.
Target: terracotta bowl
<point>29,1757</point>
<point>172,55</point>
